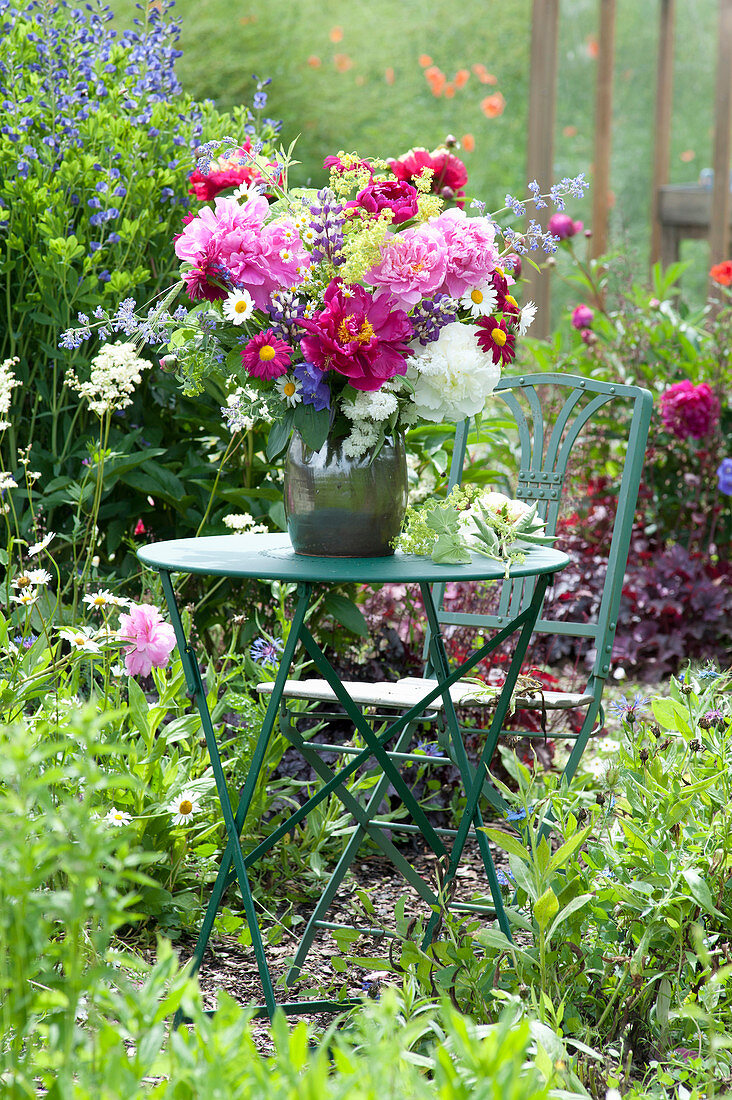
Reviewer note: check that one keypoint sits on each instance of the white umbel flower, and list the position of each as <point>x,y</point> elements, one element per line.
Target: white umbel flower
<point>115,372</point>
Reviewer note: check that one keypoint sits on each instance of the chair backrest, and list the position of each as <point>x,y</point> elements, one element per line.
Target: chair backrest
<point>556,417</point>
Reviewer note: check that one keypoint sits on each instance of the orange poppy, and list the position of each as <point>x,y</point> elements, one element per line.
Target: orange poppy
<point>722,273</point>
<point>493,105</point>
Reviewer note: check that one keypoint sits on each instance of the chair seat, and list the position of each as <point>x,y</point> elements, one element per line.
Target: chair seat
<point>407,692</point>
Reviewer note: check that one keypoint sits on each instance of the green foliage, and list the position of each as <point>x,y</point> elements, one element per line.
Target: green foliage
<point>87,218</point>
<point>620,897</point>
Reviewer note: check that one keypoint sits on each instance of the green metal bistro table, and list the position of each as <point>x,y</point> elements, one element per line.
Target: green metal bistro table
<point>271,557</point>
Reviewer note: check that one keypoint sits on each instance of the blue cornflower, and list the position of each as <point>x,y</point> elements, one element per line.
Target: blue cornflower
<point>708,673</point>
<point>515,815</point>
<point>505,878</point>
<point>429,748</point>
<point>26,642</point>
<point>265,651</point>
<point>629,711</point>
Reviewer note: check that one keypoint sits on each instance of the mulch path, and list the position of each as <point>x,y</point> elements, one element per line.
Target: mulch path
<point>230,966</point>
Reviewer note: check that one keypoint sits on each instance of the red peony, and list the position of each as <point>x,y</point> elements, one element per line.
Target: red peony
<point>689,410</point>
<point>363,339</point>
<point>722,273</point>
<point>449,173</point>
<point>228,172</point>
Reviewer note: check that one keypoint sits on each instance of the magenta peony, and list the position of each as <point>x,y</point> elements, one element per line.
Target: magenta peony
<point>689,410</point>
<point>582,316</point>
<point>394,195</point>
<point>361,337</point>
<point>564,227</point>
<point>152,640</point>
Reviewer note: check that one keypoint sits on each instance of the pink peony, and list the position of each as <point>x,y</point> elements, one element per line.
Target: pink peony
<point>449,173</point>
<point>562,226</point>
<point>363,338</point>
<point>470,251</point>
<point>689,410</point>
<point>152,640</point>
<point>413,266</point>
<point>582,316</point>
<point>232,244</point>
<point>394,195</point>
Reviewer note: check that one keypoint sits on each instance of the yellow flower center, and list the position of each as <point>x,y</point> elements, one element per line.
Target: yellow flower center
<point>23,582</point>
<point>185,807</point>
<point>241,306</point>
<point>476,296</point>
<point>99,601</point>
<point>346,334</point>
<point>267,353</point>
<point>499,337</point>
<point>511,300</point>
<point>288,389</point>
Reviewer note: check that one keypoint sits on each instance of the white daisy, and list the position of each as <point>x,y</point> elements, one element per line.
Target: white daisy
<point>80,639</point>
<point>38,546</point>
<point>289,388</point>
<point>99,599</point>
<point>285,255</point>
<point>244,192</point>
<point>27,597</point>
<point>238,306</point>
<point>480,301</point>
<point>39,577</point>
<point>528,313</point>
<point>117,817</point>
<point>184,807</point>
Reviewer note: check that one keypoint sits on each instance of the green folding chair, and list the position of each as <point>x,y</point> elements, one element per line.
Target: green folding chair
<point>554,416</point>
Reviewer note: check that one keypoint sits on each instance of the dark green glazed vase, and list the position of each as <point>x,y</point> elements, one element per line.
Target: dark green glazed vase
<point>340,507</point>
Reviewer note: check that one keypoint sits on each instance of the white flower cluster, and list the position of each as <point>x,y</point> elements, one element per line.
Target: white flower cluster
<point>452,376</point>
<point>367,414</point>
<point>115,372</point>
<point>8,382</point>
<point>244,522</point>
<point>244,408</point>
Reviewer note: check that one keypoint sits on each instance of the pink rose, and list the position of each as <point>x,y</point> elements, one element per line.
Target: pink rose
<point>562,226</point>
<point>582,316</point>
<point>394,195</point>
<point>413,265</point>
<point>470,251</point>
<point>689,410</point>
<point>152,640</point>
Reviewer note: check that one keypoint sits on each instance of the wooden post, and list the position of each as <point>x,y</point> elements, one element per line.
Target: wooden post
<point>719,232</point>
<point>664,104</point>
<point>540,151</point>
<point>603,127</point>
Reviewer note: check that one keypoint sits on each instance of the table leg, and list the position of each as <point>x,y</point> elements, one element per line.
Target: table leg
<point>234,824</point>
<point>474,782</point>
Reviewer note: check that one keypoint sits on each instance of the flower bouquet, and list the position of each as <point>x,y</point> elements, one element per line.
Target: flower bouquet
<point>349,313</point>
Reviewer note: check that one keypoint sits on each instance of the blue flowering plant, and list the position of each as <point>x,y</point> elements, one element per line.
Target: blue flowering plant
<point>98,144</point>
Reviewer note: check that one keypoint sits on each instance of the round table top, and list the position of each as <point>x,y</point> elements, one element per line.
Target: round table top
<point>271,557</point>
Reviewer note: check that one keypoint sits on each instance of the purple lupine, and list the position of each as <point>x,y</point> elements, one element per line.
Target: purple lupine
<point>430,316</point>
<point>327,224</point>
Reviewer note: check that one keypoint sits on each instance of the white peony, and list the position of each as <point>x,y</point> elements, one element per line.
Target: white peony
<point>452,376</point>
